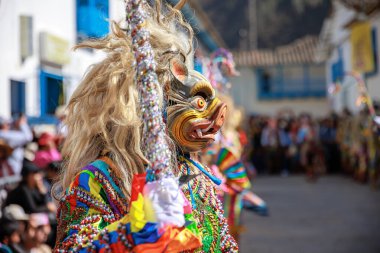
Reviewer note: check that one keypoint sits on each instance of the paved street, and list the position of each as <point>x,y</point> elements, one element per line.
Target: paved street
<point>334,215</point>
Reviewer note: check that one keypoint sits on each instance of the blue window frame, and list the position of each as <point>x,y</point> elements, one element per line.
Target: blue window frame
<point>337,69</point>
<point>51,92</point>
<point>92,18</point>
<point>296,81</point>
<point>17,97</point>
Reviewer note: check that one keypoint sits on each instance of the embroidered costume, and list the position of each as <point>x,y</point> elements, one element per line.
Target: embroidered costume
<point>94,216</point>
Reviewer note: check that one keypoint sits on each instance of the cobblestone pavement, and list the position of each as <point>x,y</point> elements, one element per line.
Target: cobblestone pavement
<point>333,215</point>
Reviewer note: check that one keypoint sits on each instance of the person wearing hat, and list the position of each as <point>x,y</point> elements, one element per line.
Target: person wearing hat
<point>47,151</point>
<point>14,213</point>
<point>16,138</point>
<point>31,194</point>
<point>13,225</point>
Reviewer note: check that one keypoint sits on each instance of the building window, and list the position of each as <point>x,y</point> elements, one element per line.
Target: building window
<point>291,81</point>
<point>294,81</point>
<point>17,98</point>
<point>268,80</point>
<point>92,19</point>
<point>337,70</point>
<point>51,92</point>
<point>26,37</point>
<point>316,80</point>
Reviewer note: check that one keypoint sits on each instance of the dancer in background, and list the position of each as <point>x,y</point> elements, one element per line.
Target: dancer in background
<point>224,156</point>
<point>228,159</point>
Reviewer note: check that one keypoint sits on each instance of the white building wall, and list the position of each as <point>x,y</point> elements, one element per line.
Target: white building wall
<point>244,91</point>
<point>341,16</point>
<point>53,16</point>
<point>57,17</point>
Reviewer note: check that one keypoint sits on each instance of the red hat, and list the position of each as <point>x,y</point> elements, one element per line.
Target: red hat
<point>45,138</point>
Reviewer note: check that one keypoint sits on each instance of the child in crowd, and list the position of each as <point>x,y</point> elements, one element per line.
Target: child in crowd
<point>9,235</point>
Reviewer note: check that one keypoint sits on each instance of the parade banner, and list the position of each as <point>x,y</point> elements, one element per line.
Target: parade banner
<point>362,48</point>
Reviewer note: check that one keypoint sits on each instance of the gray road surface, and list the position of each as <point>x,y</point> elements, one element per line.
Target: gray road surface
<point>334,215</point>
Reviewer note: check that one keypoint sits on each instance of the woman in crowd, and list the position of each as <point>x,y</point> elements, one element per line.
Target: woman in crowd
<point>31,194</point>
<point>9,235</point>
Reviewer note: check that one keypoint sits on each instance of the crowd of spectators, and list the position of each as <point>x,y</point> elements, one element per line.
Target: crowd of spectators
<point>29,163</point>
<point>290,143</point>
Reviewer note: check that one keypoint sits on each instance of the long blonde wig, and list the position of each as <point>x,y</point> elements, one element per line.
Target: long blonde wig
<point>103,113</point>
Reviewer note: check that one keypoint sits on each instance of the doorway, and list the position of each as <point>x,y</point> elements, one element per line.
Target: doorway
<point>17,98</point>
<point>51,92</point>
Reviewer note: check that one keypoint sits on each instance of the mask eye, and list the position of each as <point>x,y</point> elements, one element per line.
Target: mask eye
<point>199,103</point>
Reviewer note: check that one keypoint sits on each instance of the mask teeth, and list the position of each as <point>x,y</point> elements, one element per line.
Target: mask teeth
<point>209,127</point>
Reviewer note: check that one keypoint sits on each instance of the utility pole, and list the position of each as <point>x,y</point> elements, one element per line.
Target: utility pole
<point>252,16</point>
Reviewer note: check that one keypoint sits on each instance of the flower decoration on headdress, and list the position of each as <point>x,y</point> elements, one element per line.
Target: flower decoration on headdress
<point>220,68</point>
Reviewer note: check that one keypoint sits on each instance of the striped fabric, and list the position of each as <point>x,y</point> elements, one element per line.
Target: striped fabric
<point>232,168</point>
